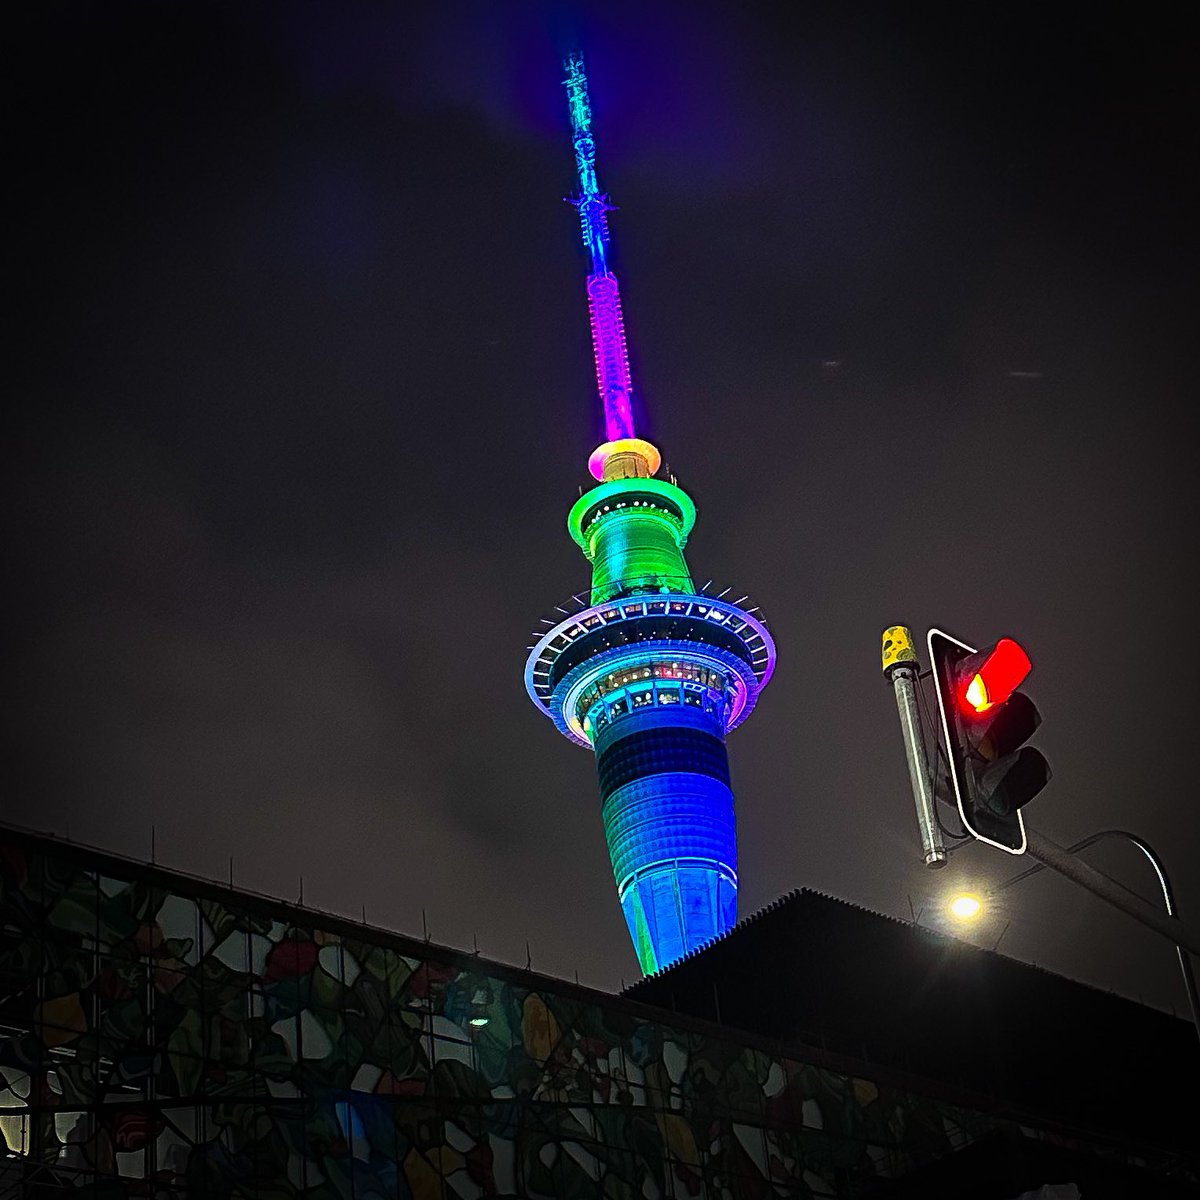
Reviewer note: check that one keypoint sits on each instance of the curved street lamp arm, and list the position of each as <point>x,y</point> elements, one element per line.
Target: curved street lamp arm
<point>1063,860</point>
<point>1141,843</point>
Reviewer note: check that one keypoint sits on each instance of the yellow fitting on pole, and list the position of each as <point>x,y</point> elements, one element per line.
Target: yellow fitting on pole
<point>897,647</point>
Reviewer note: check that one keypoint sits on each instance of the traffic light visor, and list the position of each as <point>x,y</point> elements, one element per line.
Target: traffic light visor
<point>993,680</point>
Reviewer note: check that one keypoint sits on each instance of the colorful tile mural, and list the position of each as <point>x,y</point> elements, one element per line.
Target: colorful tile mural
<point>164,1038</point>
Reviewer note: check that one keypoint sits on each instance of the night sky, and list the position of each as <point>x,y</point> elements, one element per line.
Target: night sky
<point>302,392</point>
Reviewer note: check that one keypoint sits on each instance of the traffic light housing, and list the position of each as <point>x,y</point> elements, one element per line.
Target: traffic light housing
<point>986,721</point>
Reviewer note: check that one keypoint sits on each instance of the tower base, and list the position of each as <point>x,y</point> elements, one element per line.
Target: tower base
<point>676,907</point>
<point>669,824</point>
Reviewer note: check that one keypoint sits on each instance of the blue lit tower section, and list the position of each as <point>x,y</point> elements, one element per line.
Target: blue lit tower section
<point>644,668</point>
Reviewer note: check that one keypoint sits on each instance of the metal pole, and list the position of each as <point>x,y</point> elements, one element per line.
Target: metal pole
<point>1059,858</point>
<point>900,668</point>
<point>1164,883</point>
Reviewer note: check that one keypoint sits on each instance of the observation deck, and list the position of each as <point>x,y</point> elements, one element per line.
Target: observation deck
<point>679,647</point>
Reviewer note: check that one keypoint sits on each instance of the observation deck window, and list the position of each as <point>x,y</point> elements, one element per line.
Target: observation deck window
<point>644,684</point>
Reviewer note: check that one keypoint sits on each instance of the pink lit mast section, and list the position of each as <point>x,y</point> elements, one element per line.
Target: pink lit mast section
<point>604,297</point>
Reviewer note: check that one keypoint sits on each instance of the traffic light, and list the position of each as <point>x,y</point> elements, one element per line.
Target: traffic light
<point>986,722</point>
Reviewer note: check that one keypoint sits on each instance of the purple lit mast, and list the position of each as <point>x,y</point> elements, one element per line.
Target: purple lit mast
<point>604,296</point>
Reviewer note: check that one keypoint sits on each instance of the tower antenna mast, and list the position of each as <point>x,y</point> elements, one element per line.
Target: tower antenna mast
<point>613,379</point>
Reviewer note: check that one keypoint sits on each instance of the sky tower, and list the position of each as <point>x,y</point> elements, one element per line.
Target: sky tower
<point>646,669</point>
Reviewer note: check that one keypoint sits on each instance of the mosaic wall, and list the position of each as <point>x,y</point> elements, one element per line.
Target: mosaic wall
<point>156,1044</point>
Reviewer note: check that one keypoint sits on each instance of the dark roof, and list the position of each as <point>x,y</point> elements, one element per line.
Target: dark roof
<point>813,970</point>
<point>1005,1163</point>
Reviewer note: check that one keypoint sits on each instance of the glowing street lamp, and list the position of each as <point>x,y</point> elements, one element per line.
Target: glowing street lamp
<point>480,1003</point>
<point>965,906</point>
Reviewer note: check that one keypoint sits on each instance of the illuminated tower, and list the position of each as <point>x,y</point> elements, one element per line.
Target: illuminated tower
<point>645,669</point>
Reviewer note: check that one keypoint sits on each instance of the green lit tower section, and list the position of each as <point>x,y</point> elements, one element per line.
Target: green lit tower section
<point>646,670</point>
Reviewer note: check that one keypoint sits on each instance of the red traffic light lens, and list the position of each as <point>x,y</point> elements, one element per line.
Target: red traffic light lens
<point>995,678</point>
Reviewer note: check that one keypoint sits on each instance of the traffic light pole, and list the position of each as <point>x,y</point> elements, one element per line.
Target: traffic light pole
<point>900,668</point>
<point>1059,858</point>
<point>904,684</point>
<point>1173,927</point>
